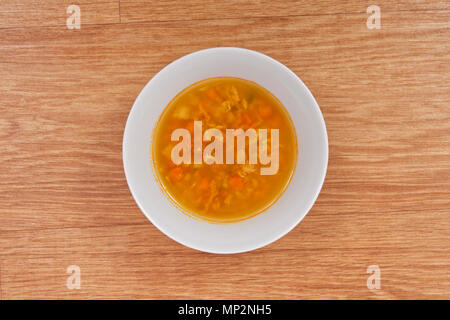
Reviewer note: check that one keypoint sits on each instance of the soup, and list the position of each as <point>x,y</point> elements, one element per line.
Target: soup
<point>224,149</point>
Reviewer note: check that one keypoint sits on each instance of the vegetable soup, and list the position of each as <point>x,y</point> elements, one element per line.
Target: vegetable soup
<point>224,149</point>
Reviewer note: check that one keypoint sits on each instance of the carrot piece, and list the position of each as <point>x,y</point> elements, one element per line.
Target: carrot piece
<point>265,111</point>
<point>236,182</point>
<point>213,95</point>
<point>176,174</point>
<point>246,119</point>
<point>190,127</point>
<point>204,184</point>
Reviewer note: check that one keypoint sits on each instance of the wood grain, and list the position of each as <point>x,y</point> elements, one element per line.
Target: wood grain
<point>38,13</point>
<point>169,10</point>
<point>65,97</point>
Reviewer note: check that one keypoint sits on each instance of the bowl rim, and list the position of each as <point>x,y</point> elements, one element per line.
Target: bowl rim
<point>323,130</point>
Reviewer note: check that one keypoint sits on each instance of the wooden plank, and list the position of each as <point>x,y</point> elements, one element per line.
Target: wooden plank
<point>64,199</point>
<point>169,10</point>
<point>38,13</point>
<point>137,262</point>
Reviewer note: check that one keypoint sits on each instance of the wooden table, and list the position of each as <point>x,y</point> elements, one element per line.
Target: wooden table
<point>65,95</point>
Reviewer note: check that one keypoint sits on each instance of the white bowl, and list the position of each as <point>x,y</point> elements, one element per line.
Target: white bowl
<point>265,227</point>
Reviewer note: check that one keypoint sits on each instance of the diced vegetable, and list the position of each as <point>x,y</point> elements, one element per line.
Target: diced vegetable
<point>201,108</point>
<point>204,184</point>
<point>227,200</point>
<point>176,174</point>
<point>234,95</point>
<point>244,104</point>
<point>246,119</point>
<point>230,117</point>
<point>166,152</point>
<point>227,104</point>
<point>182,112</point>
<point>248,168</point>
<point>236,182</point>
<point>213,95</point>
<point>265,111</point>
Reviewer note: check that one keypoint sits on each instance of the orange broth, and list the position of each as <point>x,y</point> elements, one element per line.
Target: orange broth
<point>223,193</point>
